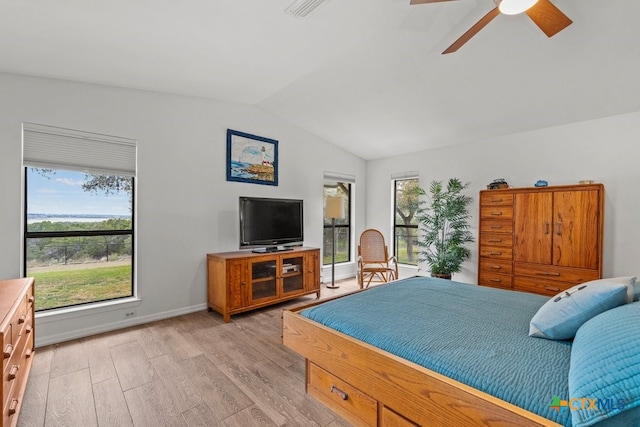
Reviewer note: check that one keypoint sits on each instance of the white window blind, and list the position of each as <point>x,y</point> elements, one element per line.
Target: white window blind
<point>405,175</point>
<point>58,148</point>
<point>339,177</point>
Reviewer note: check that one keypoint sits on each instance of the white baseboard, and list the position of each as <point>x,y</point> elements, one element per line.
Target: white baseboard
<point>120,324</point>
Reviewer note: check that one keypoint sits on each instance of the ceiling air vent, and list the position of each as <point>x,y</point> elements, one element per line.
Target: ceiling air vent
<point>303,8</point>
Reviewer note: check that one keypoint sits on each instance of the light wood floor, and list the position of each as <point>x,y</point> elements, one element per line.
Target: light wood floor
<point>192,370</point>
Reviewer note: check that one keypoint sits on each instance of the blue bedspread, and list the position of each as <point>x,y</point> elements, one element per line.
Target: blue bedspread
<point>475,335</point>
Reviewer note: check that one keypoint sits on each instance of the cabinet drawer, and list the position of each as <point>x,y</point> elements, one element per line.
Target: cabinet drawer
<point>7,350</point>
<point>496,239</point>
<point>496,226</point>
<point>495,266</point>
<point>391,418</point>
<point>495,252</point>
<point>344,399</point>
<point>496,198</point>
<point>496,212</point>
<point>539,286</point>
<point>495,280</point>
<point>559,274</point>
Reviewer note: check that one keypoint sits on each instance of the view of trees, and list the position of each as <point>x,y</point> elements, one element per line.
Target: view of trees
<point>406,225</point>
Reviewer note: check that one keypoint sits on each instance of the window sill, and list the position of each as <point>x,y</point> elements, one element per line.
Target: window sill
<point>56,315</point>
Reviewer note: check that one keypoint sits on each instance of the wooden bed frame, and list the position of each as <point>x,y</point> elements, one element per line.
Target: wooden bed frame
<point>369,386</point>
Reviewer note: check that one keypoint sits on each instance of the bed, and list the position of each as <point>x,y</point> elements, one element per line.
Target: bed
<point>425,351</point>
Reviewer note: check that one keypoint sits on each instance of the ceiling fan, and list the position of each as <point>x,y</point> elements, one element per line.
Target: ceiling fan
<point>542,12</point>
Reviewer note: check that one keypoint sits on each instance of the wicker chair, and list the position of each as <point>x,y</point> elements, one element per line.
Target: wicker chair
<point>374,262</point>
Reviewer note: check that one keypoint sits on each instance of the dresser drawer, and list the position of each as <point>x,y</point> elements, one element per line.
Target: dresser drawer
<point>496,239</point>
<point>559,274</point>
<point>496,212</point>
<point>496,198</point>
<point>344,399</point>
<point>495,280</point>
<point>7,349</point>
<point>495,252</point>
<point>496,226</point>
<point>495,266</point>
<point>539,286</point>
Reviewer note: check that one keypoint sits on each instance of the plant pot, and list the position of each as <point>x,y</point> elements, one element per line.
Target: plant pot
<point>442,275</point>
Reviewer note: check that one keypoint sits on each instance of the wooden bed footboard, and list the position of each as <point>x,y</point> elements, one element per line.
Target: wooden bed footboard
<point>368,386</point>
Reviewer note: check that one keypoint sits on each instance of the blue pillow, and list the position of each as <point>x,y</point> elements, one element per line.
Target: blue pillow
<point>561,316</point>
<point>605,364</point>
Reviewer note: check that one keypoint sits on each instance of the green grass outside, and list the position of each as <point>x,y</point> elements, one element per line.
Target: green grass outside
<point>69,287</point>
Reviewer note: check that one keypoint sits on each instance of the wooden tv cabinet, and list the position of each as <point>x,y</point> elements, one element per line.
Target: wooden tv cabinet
<point>243,280</point>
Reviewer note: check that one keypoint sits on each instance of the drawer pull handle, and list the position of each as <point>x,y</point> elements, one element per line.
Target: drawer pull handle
<point>495,267</point>
<point>28,353</point>
<point>496,280</point>
<point>495,240</point>
<point>28,329</point>
<point>496,213</point>
<point>342,394</point>
<point>550,288</point>
<point>496,227</point>
<point>548,273</point>
<point>496,200</point>
<point>31,298</point>
<point>13,372</point>
<point>546,228</point>
<point>13,406</point>
<point>495,253</point>
<point>7,351</point>
<point>22,319</point>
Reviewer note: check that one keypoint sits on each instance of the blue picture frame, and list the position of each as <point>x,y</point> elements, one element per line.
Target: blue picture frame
<point>251,158</point>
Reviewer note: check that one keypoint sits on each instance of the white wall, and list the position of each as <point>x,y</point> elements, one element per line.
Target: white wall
<point>603,150</point>
<point>185,206</point>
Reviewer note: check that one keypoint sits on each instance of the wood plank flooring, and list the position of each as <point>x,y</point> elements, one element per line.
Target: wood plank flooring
<point>192,370</point>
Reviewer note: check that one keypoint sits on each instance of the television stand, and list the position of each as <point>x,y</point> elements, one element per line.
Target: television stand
<point>242,281</point>
<point>272,249</point>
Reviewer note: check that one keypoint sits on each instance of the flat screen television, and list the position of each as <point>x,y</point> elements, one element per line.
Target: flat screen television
<point>268,224</point>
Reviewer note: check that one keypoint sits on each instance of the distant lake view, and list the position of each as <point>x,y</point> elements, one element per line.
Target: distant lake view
<point>34,218</point>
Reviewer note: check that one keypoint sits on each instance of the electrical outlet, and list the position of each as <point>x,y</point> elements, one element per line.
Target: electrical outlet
<point>130,314</point>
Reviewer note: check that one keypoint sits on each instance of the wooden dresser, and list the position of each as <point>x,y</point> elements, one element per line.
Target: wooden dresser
<point>17,339</point>
<point>541,240</point>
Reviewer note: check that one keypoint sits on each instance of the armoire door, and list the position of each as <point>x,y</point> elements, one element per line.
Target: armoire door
<point>533,229</point>
<point>576,229</point>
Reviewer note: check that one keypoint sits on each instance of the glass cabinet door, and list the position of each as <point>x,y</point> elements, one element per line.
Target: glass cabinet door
<point>263,280</point>
<point>292,274</point>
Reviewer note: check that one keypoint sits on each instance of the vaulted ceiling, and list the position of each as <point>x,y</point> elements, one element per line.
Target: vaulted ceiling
<point>366,75</point>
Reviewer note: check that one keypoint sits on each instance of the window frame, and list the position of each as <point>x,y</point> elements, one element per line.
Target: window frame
<point>86,233</point>
<point>396,226</point>
<point>348,219</point>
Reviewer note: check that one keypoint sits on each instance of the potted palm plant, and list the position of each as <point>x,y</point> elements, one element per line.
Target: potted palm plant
<point>444,222</point>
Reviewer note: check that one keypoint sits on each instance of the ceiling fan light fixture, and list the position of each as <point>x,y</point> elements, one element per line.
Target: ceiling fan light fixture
<point>514,7</point>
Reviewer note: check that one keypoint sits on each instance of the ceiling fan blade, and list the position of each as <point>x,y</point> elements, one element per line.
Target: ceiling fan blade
<point>427,1</point>
<point>473,31</point>
<point>548,17</point>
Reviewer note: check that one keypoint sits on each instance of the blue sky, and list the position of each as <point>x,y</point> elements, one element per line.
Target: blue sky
<point>63,194</point>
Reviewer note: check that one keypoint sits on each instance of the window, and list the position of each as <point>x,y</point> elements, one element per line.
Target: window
<point>405,225</point>
<point>342,225</point>
<point>79,223</point>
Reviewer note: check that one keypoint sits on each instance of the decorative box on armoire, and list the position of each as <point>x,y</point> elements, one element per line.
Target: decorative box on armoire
<point>541,239</point>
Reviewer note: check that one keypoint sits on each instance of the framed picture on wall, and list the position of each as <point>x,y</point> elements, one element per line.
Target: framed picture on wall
<point>251,158</point>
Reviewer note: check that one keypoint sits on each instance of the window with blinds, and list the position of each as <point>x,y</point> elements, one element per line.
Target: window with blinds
<point>79,215</point>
